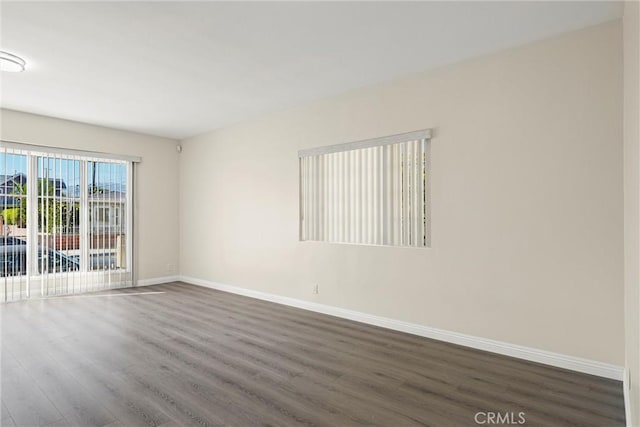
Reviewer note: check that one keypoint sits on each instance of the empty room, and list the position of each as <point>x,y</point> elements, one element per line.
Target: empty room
<point>319,213</point>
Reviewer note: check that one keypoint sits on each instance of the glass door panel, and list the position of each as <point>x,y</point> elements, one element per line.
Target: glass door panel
<point>58,224</point>
<point>13,225</point>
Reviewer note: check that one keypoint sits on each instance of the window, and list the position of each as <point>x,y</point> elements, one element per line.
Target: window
<point>373,192</point>
<point>59,233</point>
<point>103,215</point>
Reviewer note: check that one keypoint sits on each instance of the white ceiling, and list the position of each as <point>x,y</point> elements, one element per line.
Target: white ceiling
<point>179,68</point>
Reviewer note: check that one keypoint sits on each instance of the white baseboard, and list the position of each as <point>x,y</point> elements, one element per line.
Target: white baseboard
<point>626,390</point>
<point>521,352</point>
<point>157,280</point>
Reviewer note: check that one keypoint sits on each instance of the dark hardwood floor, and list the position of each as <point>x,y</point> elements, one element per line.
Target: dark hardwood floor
<point>187,355</point>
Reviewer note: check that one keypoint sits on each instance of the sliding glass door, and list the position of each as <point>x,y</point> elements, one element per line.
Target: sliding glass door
<point>66,222</point>
<point>107,220</point>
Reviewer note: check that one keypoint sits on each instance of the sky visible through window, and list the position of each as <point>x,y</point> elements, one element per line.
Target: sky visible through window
<point>11,164</point>
<point>108,175</point>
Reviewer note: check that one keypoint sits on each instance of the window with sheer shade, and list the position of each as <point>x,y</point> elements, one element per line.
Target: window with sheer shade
<point>373,192</point>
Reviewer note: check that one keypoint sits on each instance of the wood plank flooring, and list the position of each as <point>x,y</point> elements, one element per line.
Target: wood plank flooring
<point>187,355</point>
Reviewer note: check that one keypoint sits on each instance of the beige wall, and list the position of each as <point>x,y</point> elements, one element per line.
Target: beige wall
<point>527,202</point>
<point>631,23</point>
<point>156,179</point>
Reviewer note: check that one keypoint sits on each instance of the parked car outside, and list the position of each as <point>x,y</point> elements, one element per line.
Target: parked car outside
<point>13,259</point>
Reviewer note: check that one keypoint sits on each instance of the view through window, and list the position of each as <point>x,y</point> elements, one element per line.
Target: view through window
<point>64,223</point>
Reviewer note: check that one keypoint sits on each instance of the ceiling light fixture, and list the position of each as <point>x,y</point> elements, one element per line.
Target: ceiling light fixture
<point>11,62</point>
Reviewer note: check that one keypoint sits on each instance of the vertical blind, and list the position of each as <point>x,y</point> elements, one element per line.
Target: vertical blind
<point>367,192</point>
<point>66,221</point>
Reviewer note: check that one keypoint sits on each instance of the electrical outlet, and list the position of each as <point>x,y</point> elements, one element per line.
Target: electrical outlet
<point>169,268</point>
<point>315,289</point>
